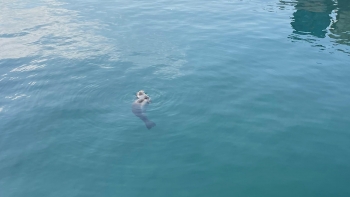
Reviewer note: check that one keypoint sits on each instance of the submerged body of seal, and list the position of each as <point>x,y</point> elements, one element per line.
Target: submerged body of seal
<point>138,108</point>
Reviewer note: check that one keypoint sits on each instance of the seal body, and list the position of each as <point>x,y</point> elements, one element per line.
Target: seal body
<point>138,108</point>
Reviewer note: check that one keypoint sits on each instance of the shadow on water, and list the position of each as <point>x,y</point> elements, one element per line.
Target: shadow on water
<point>316,19</point>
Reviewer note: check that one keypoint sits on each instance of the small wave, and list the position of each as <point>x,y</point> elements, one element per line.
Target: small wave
<point>27,68</point>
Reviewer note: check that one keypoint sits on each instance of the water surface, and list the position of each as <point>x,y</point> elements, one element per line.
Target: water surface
<point>250,98</point>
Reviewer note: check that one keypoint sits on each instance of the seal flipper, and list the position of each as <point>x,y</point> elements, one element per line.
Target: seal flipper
<point>150,124</point>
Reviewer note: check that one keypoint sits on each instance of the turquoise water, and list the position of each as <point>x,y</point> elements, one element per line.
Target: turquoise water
<point>250,98</point>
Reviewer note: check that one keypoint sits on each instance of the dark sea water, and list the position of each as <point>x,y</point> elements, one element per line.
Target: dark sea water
<point>251,98</point>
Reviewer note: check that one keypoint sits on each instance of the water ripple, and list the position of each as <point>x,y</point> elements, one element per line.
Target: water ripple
<point>49,30</point>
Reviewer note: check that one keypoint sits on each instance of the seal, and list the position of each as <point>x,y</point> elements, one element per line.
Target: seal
<point>138,108</point>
